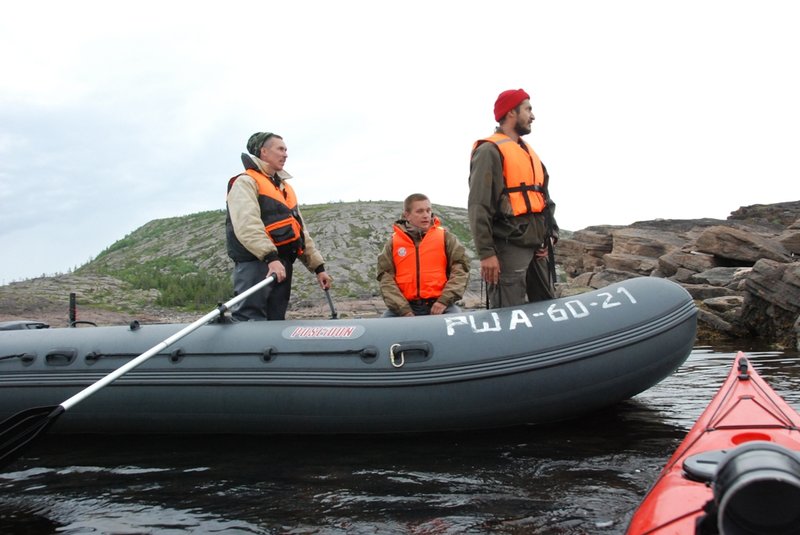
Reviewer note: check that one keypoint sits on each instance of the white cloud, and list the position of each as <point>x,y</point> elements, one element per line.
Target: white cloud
<point>114,114</point>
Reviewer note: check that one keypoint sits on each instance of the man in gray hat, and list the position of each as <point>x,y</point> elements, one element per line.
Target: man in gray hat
<point>264,231</point>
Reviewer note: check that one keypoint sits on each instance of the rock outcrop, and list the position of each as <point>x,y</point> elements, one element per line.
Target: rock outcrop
<point>743,272</point>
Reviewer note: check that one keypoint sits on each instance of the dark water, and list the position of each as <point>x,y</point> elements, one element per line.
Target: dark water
<point>585,476</point>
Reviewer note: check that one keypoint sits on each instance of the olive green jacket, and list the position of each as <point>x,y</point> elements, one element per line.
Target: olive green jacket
<point>457,269</point>
<point>490,216</point>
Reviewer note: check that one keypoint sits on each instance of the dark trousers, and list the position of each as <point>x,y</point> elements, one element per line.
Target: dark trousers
<point>268,304</point>
<point>523,277</point>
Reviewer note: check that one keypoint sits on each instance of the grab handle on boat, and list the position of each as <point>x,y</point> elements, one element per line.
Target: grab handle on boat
<point>397,352</point>
<point>61,357</point>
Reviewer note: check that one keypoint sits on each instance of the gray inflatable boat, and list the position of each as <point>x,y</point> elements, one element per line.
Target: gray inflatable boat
<point>536,363</point>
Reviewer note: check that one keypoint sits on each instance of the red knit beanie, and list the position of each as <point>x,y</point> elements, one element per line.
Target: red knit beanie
<point>507,101</point>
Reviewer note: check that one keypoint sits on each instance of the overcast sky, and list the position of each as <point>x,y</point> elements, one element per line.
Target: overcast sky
<point>113,114</point>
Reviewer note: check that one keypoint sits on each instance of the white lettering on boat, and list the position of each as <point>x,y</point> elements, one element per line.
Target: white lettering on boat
<point>486,327</point>
<point>519,316</point>
<point>558,311</point>
<point>323,332</point>
<point>454,321</point>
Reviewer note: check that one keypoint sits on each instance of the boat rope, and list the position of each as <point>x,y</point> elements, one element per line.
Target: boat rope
<point>95,355</point>
<point>366,352</point>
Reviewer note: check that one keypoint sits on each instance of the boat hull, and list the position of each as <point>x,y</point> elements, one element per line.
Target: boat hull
<point>745,418</point>
<point>537,363</point>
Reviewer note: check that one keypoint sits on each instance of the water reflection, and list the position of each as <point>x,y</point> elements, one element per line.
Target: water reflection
<point>583,476</point>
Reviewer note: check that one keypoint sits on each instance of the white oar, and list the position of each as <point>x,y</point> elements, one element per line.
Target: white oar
<point>20,429</point>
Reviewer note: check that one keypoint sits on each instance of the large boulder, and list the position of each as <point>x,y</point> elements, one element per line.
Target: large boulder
<point>645,242</point>
<point>772,302</point>
<point>694,261</point>
<point>740,246</point>
<point>585,250</point>
<point>790,238</point>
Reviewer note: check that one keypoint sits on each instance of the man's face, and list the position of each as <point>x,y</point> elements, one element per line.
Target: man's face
<point>274,152</point>
<point>524,118</point>
<point>420,215</point>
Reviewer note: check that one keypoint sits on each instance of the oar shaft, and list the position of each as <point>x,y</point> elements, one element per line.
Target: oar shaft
<point>125,368</point>
<point>334,314</point>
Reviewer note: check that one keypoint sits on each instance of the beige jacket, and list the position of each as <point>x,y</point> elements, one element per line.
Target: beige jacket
<point>246,218</point>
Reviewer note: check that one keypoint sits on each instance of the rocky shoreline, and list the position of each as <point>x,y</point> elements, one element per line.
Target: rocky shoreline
<point>743,273</point>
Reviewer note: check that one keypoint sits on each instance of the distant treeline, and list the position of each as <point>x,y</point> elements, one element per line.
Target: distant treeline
<point>179,282</point>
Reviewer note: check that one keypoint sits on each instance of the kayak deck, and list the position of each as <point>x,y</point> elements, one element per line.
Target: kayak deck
<point>745,410</point>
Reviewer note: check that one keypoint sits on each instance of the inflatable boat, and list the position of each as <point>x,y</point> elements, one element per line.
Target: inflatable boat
<point>531,364</point>
<point>736,472</point>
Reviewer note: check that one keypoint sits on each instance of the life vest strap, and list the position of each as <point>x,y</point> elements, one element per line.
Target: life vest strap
<point>524,189</point>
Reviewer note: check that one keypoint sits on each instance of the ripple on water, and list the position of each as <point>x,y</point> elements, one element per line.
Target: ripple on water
<point>583,476</point>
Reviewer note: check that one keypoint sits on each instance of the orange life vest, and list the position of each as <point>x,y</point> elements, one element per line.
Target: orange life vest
<point>420,269</point>
<point>280,216</point>
<point>523,174</point>
<point>278,210</point>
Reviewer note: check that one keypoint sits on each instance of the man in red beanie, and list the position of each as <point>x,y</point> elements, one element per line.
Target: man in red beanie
<point>510,211</point>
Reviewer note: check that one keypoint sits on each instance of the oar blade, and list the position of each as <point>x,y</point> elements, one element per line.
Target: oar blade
<point>23,428</point>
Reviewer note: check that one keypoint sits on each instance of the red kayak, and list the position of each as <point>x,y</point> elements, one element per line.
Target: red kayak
<point>736,472</point>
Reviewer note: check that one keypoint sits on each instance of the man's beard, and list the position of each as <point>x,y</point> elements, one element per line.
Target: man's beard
<point>521,129</point>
